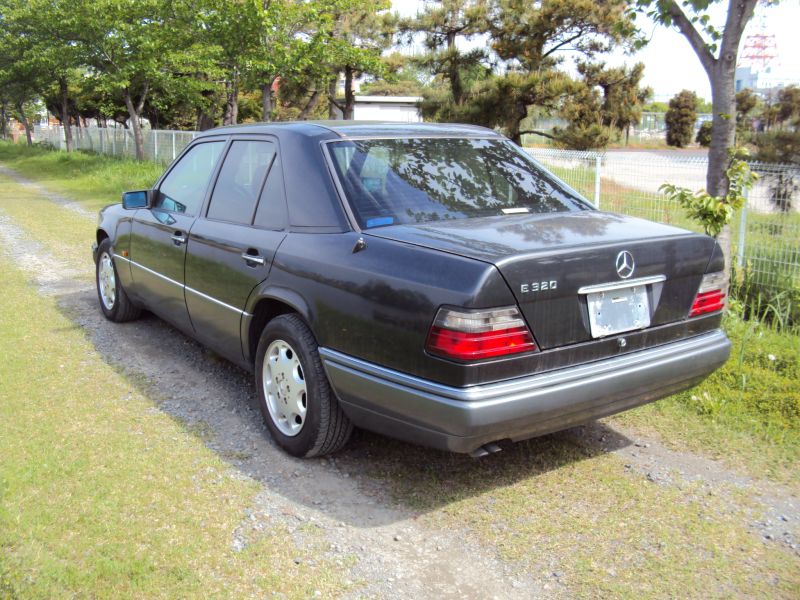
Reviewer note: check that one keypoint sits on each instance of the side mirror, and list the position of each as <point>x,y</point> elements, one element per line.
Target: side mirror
<point>134,200</point>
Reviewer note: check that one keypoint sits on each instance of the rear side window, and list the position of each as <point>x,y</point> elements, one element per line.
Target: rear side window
<point>240,181</point>
<point>271,211</point>
<point>418,180</point>
<point>184,187</point>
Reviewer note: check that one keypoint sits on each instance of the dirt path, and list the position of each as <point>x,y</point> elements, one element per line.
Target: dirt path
<point>376,540</point>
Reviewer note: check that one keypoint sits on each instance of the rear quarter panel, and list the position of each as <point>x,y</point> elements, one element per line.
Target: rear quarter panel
<point>378,304</point>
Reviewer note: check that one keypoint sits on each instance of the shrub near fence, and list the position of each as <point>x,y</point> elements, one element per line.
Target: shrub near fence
<point>766,231</point>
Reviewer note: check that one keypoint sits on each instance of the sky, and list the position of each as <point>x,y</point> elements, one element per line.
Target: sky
<point>670,63</point>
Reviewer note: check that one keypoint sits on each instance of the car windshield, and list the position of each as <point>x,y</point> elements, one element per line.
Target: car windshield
<point>419,180</point>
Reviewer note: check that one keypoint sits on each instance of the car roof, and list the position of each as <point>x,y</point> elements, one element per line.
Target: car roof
<point>347,129</point>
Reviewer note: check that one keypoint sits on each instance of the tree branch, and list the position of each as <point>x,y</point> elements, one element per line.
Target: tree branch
<point>140,107</point>
<point>690,33</point>
<point>541,133</point>
<point>734,25</point>
<point>333,101</point>
<point>562,44</point>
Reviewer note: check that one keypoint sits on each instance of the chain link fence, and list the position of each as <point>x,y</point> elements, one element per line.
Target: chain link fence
<point>159,145</point>
<point>766,232</point>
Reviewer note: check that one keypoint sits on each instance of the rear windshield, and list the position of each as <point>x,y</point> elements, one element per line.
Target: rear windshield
<point>393,181</point>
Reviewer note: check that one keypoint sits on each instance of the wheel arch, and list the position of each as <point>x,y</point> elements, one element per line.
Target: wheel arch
<point>262,309</point>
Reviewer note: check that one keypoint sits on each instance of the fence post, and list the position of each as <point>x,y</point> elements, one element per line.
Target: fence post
<point>155,144</point>
<point>173,144</point>
<point>742,230</point>
<point>597,161</point>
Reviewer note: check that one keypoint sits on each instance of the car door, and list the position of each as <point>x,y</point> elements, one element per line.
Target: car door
<point>159,233</point>
<point>231,247</point>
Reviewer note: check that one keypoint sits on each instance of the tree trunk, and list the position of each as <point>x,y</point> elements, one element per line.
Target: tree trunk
<point>453,72</point>
<point>138,138</point>
<point>3,120</point>
<point>231,114</point>
<point>723,133</point>
<point>520,112</point>
<point>349,97</point>
<point>721,73</point>
<point>332,104</point>
<point>25,123</point>
<point>204,121</point>
<point>62,86</point>
<point>310,106</point>
<point>266,100</point>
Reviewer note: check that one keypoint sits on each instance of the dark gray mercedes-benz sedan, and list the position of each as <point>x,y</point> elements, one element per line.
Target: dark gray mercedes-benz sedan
<point>429,282</point>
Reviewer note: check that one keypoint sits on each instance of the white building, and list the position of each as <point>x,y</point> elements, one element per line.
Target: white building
<point>764,83</point>
<point>400,109</point>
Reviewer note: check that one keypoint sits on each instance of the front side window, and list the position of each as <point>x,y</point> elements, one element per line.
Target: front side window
<point>419,180</point>
<point>240,181</point>
<point>184,187</point>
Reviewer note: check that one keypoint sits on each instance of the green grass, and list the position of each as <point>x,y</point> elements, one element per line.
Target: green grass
<point>94,180</point>
<point>104,496</point>
<point>64,233</point>
<point>747,413</point>
<point>557,504</point>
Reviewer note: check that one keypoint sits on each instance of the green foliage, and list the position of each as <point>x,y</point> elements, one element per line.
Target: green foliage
<point>704,134</point>
<point>680,118</point>
<point>528,38</point>
<point>776,304</point>
<point>656,107</point>
<point>781,146</point>
<point>606,101</point>
<point>712,212</point>
<point>584,137</point>
<point>702,106</point>
<point>442,25</point>
<point>789,105</point>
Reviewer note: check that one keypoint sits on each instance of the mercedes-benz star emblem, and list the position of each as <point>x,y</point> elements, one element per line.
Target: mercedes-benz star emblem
<point>625,264</point>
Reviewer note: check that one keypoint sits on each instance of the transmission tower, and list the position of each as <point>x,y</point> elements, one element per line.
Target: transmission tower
<point>760,48</point>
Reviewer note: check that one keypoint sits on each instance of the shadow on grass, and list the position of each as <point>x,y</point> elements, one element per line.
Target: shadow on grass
<point>426,479</point>
<point>215,402</point>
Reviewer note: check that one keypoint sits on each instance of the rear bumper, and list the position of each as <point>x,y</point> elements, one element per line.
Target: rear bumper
<point>463,419</point>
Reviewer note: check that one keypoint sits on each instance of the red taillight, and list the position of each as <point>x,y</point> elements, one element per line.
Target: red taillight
<point>711,295</point>
<point>473,335</point>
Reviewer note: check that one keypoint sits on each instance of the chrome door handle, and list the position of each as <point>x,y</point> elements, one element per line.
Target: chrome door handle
<point>178,239</point>
<point>250,258</point>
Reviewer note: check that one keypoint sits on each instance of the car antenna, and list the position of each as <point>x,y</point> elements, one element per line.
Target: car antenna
<point>360,245</point>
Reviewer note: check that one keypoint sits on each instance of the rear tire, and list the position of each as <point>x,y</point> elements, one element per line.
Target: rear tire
<point>297,402</point>
<point>114,302</point>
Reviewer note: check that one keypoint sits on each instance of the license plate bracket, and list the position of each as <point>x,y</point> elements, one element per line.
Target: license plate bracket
<point>618,310</point>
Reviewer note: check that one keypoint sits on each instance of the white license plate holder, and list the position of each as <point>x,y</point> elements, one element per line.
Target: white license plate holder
<point>618,310</point>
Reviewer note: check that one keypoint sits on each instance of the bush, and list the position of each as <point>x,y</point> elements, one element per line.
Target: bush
<point>580,137</point>
<point>704,134</point>
<point>777,304</point>
<point>778,147</point>
<point>680,119</point>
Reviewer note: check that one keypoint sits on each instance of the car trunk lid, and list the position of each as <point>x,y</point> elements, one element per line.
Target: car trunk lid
<point>548,261</point>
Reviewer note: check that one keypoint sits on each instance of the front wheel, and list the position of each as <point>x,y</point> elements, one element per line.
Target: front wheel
<point>297,402</point>
<point>114,302</point>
